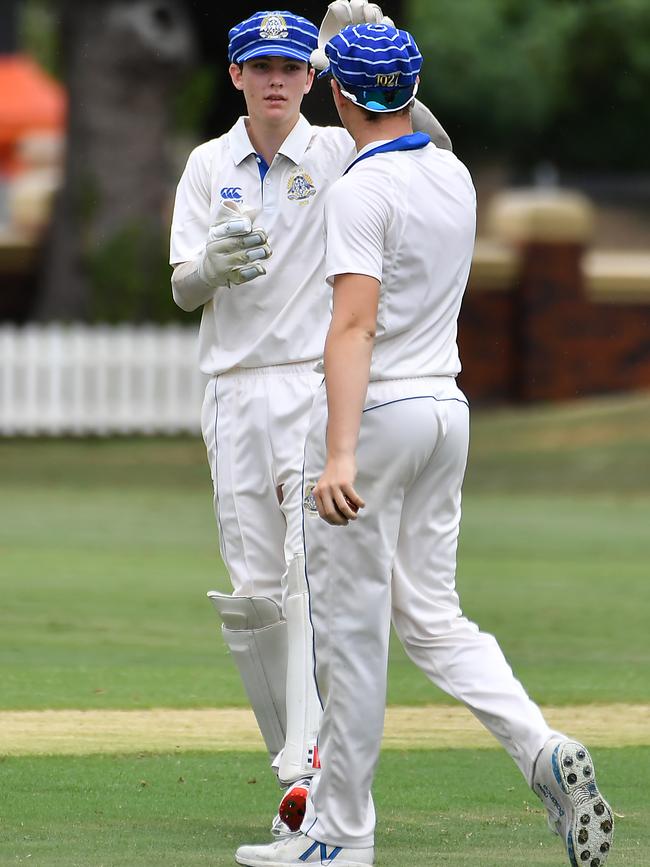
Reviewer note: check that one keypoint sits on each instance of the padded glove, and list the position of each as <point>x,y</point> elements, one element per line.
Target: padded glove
<point>339,14</point>
<point>234,250</point>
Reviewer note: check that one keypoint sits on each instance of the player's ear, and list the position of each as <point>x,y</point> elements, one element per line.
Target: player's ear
<point>311,72</point>
<point>235,70</point>
<point>336,92</point>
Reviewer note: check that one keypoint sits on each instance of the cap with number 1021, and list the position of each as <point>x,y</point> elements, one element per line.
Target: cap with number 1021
<point>376,65</point>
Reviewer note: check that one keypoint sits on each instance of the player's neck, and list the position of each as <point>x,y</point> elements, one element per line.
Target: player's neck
<point>386,129</point>
<point>267,138</point>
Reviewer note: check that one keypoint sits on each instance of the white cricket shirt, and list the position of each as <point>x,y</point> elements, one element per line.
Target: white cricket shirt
<point>282,316</point>
<point>407,218</point>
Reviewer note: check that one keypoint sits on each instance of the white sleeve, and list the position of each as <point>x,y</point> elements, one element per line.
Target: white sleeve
<point>191,219</point>
<point>356,219</point>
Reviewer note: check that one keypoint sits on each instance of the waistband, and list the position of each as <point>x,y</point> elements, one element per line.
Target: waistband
<point>382,391</point>
<point>388,390</point>
<point>297,368</point>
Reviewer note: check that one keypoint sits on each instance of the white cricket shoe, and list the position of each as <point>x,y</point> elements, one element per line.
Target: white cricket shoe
<point>280,829</point>
<point>298,850</point>
<point>564,780</point>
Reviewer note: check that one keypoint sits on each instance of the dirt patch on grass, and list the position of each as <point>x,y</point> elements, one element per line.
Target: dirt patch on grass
<point>75,732</point>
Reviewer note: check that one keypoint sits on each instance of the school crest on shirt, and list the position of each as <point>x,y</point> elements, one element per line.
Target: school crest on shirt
<point>309,500</point>
<point>274,27</point>
<point>300,187</point>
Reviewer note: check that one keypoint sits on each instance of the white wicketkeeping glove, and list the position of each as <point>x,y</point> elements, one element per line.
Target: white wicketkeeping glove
<point>234,249</point>
<point>339,14</point>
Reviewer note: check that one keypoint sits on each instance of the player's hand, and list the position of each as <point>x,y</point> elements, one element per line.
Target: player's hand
<point>339,14</point>
<point>336,499</point>
<point>234,251</point>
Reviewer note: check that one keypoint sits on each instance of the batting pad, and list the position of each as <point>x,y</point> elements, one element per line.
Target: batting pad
<point>256,635</point>
<point>300,756</point>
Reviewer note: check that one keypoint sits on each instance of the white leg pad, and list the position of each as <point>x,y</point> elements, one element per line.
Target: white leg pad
<point>256,635</point>
<point>300,756</point>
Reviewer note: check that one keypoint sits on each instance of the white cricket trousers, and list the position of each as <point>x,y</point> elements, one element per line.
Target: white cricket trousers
<point>254,423</point>
<point>397,560</point>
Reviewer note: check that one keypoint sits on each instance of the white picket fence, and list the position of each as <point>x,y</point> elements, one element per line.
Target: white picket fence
<point>77,379</point>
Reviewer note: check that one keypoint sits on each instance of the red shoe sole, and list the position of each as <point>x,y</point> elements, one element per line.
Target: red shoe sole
<point>292,807</point>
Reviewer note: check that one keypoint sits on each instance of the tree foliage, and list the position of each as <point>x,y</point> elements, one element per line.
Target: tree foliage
<point>539,79</point>
<point>517,82</point>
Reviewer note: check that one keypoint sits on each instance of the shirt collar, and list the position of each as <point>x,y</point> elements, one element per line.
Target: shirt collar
<point>293,147</point>
<point>410,142</point>
<point>359,154</point>
<point>373,144</point>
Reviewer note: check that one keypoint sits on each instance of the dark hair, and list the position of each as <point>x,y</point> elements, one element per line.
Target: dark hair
<point>375,116</point>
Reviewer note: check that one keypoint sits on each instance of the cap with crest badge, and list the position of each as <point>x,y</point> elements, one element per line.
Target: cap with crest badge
<point>272,34</point>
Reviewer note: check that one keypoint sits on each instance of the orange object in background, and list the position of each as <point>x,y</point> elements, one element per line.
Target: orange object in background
<point>30,101</point>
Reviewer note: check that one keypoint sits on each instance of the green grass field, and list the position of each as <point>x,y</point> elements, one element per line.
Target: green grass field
<point>443,807</point>
<point>108,547</point>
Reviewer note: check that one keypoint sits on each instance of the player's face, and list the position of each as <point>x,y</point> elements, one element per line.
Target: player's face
<point>273,87</point>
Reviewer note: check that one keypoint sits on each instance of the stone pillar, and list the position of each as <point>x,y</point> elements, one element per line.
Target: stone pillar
<point>551,229</point>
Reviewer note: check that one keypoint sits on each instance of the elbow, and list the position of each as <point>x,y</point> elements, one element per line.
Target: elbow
<point>364,326</point>
<point>363,333</point>
<point>355,329</point>
<point>369,333</point>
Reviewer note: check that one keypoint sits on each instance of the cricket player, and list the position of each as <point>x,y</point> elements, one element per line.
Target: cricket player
<point>384,464</point>
<point>247,245</point>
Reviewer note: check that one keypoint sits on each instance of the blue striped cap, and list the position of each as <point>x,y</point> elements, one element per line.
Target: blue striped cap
<point>376,65</point>
<point>272,34</point>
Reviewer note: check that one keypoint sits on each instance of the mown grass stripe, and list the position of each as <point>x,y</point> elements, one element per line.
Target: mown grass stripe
<point>78,732</point>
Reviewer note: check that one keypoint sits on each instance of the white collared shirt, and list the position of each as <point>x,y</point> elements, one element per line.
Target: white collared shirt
<point>282,316</point>
<point>407,218</point>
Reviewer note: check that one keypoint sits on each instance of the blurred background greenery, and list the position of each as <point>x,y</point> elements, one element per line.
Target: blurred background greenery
<point>565,79</point>
<point>532,92</point>
<point>531,80</point>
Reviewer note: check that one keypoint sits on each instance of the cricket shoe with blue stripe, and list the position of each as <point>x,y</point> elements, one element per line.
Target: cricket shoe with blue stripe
<point>564,780</point>
<point>298,850</point>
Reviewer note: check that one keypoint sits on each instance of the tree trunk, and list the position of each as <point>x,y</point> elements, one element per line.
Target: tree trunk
<point>121,60</point>
<point>8,26</point>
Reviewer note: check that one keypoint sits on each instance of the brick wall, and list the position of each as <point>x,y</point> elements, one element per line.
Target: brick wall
<point>552,321</point>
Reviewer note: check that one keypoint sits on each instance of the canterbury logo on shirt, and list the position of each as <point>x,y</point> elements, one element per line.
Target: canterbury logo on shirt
<point>324,857</point>
<point>231,193</point>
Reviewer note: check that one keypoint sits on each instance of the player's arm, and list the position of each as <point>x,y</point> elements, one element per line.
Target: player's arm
<point>207,253</point>
<point>341,13</point>
<point>348,351</point>
<point>190,223</point>
<point>424,120</point>
<point>232,255</point>
<point>356,219</point>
